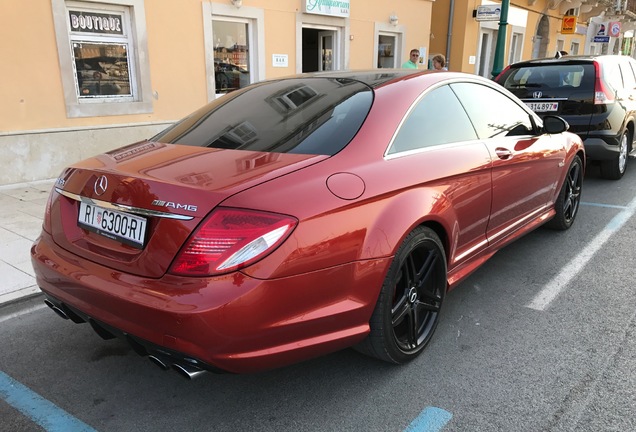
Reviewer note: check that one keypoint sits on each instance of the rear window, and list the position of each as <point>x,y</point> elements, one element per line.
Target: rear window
<point>301,115</point>
<point>546,77</point>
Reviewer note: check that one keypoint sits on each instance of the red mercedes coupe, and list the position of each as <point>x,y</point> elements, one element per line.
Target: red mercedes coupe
<point>300,216</point>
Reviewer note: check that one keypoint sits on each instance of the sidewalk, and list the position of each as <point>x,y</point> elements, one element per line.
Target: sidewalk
<point>21,213</point>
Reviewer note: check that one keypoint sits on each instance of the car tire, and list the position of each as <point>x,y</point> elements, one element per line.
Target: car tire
<point>408,308</point>
<point>569,199</point>
<point>615,168</point>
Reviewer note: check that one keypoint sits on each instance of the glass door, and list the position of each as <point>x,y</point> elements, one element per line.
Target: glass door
<point>326,50</point>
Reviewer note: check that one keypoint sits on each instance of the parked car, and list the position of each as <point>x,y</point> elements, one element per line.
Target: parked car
<point>229,77</point>
<point>300,216</point>
<point>596,95</point>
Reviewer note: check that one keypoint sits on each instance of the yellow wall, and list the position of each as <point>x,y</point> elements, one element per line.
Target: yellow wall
<point>177,58</point>
<point>31,87</point>
<point>31,94</point>
<point>280,38</point>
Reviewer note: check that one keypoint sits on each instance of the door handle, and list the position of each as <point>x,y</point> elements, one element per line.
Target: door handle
<point>503,153</point>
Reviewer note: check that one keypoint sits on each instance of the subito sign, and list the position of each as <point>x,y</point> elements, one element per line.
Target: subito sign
<point>568,24</point>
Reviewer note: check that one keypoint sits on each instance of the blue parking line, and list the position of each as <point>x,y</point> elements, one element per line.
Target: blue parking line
<point>39,410</point>
<point>619,207</point>
<point>430,420</point>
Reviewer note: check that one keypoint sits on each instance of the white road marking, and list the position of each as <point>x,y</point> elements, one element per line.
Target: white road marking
<point>22,312</point>
<point>553,288</point>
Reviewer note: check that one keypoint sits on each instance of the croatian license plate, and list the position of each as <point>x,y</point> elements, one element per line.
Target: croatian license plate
<point>543,106</point>
<point>119,226</point>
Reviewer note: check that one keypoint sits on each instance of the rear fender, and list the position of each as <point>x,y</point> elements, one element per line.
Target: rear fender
<point>404,212</point>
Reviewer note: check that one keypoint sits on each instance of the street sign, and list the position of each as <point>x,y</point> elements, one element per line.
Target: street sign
<point>601,33</point>
<point>488,13</point>
<point>615,29</point>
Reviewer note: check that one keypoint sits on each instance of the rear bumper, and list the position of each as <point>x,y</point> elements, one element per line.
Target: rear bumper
<point>230,323</point>
<point>601,147</point>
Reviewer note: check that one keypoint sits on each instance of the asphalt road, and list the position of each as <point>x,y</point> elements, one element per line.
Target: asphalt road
<point>496,363</point>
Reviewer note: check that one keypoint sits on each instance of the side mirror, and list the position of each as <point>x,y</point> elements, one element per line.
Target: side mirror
<point>554,124</point>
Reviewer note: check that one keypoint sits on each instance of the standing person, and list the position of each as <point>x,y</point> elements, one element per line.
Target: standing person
<point>439,62</point>
<point>411,63</point>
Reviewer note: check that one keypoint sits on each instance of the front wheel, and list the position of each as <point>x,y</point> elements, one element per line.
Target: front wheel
<point>615,168</point>
<point>567,203</point>
<point>408,308</point>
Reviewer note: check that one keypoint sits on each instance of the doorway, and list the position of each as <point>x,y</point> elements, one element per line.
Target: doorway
<point>319,50</point>
<point>487,44</point>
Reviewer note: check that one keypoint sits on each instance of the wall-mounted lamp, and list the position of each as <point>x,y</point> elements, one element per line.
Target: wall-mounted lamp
<point>237,3</point>
<point>393,19</point>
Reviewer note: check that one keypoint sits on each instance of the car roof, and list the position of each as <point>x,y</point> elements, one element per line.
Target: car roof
<point>567,59</point>
<point>372,77</point>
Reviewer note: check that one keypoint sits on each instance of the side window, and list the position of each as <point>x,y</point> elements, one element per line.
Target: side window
<point>438,118</point>
<point>612,75</point>
<point>628,75</point>
<point>492,113</point>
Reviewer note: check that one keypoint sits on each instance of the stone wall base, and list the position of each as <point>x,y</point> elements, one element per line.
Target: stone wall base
<point>38,155</point>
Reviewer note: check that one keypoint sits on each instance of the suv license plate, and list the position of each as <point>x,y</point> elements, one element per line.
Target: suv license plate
<point>543,106</point>
<point>115,225</point>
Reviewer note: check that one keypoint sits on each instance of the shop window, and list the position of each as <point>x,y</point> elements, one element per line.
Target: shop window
<point>387,47</point>
<point>231,55</point>
<point>101,43</point>
<point>103,72</point>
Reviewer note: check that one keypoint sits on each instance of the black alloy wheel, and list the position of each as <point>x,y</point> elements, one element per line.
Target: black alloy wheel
<point>569,199</point>
<point>408,309</point>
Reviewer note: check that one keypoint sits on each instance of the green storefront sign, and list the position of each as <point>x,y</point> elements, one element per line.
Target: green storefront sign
<point>339,8</point>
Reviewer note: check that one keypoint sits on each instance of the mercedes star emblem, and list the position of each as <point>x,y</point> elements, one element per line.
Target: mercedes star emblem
<point>101,184</point>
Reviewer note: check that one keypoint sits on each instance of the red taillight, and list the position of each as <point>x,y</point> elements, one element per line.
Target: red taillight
<point>602,95</point>
<point>229,239</point>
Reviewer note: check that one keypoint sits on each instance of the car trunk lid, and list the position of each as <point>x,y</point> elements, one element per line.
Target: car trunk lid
<point>133,214</point>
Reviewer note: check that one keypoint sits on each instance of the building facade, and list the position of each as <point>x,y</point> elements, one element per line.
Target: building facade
<point>535,29</point>
<point>92,75</point>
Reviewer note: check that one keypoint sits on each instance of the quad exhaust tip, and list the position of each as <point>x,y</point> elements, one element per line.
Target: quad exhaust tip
<point>186,371</point>
<point>189,372</point>
<point>56,309</point>
<point>157,361</point>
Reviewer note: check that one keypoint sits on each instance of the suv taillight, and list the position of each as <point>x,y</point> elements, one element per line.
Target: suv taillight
<point>602,95</point>
<point>496,79</point>
<point>229,239</point>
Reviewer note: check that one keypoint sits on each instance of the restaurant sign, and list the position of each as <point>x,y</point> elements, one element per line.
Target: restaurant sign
<point>85,22</point>
<point>338,8</point>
